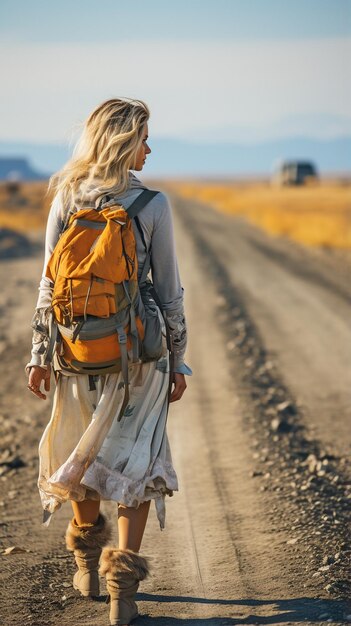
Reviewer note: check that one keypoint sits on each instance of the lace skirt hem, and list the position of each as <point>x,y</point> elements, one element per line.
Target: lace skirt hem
<point>102,483</point>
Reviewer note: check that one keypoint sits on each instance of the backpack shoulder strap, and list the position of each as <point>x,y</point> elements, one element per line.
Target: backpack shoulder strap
<point>142,200</point>
<point>66,220</point>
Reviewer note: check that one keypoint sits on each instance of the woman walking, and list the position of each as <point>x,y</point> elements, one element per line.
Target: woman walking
<point>96,447</point>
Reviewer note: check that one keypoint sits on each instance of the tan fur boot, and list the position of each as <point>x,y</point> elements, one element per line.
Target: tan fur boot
<point>87,542</point>
<point>123,569</point>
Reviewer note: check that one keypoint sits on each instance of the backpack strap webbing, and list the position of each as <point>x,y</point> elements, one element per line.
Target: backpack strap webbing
<point>122,340</point>
<point>142,200</point>
<point>133,211</point>
<point>139,203</point>
<point>153,293</point>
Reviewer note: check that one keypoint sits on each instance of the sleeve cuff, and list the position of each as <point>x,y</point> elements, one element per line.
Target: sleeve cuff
<point>183,369</point>
<point>34,361</point>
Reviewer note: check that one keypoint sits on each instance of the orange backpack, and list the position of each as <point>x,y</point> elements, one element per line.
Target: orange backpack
<point>99,322</point>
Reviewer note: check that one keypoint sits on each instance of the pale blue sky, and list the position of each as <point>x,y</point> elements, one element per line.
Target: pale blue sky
<point>232,70</point>
<point>86,20</point>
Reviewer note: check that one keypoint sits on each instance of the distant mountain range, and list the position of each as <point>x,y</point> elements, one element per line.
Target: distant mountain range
<point>176,158</point>
<point>18,169</point>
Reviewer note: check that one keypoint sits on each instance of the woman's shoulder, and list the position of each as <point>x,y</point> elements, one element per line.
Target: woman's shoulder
<point>160,203</point>
<point>162,198</point>
<point>157,212</point>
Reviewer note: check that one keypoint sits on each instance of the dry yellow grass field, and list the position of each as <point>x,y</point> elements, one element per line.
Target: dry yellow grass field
<point>26,208</point>
<point>317,215</point>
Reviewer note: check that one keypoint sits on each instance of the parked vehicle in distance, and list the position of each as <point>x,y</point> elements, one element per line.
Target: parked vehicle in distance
<point>295,173</point>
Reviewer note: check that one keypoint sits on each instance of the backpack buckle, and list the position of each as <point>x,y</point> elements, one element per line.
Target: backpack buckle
<point>122,337</point>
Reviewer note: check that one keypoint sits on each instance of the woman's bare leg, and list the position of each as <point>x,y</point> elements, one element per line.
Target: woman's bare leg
<point>131,526</point>
<point>86,511</point>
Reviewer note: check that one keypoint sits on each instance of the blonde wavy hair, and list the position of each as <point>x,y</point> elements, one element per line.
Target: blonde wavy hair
<point>106,149</point>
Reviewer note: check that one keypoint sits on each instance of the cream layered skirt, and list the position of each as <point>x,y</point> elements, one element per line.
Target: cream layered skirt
<point>85,453</point>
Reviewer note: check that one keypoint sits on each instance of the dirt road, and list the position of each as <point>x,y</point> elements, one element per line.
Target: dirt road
<point>300,301</point>
<point>257,532</point>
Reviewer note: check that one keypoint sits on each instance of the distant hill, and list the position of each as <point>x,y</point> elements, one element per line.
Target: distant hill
<point>19,169</point>
<point>176,158</point>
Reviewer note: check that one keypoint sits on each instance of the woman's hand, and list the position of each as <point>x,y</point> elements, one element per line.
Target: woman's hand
<point>179,386</point>
<point>37,375</point>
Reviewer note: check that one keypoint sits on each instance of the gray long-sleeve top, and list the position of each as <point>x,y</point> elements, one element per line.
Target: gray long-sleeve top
<point>157,225</point>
